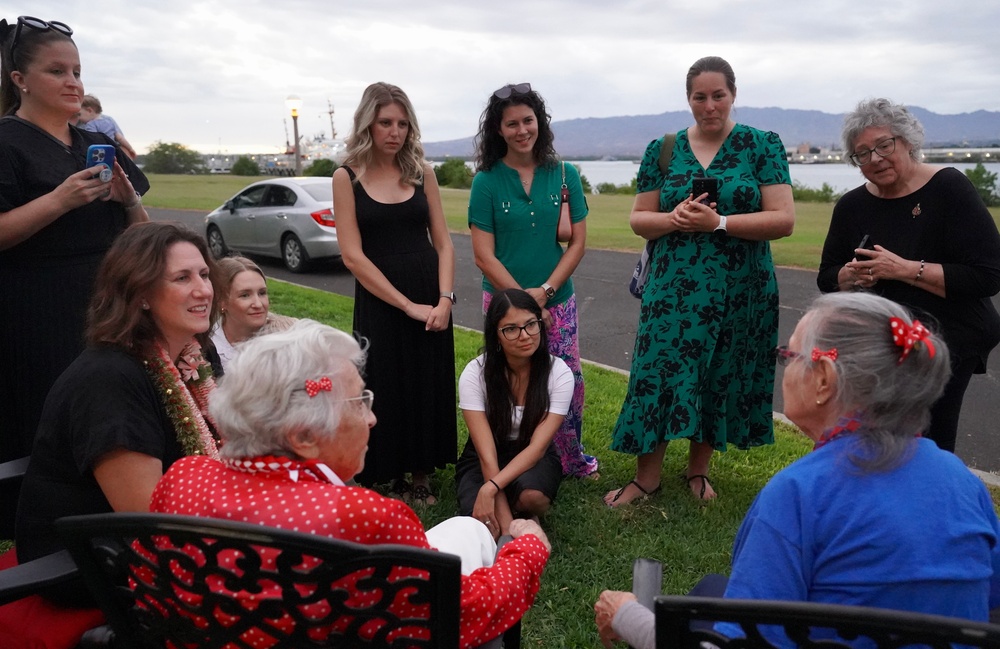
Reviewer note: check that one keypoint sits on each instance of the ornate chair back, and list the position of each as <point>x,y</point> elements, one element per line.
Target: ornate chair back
<point>808,624</point>
<point>212,583</point>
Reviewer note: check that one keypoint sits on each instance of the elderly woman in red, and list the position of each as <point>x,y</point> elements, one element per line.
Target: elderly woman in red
<point>295,417</point>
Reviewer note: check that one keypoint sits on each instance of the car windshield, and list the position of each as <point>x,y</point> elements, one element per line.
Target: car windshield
<point>322,192</point>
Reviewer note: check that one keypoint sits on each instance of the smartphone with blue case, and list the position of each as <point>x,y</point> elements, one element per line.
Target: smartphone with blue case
<point>102,154</point>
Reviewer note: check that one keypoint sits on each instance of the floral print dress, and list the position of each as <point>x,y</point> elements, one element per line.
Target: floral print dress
<point>703,366</point>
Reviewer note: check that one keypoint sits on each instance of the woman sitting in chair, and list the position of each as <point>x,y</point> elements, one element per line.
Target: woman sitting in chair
<point>294,418</point>
<point>876,515</point>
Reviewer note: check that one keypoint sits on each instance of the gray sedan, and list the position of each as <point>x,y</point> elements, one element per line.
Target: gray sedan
<point>290,218</point>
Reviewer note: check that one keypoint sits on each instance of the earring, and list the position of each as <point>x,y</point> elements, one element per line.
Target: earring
<point>145,305</point>
<point>24,90</point>
<point>222,310</point>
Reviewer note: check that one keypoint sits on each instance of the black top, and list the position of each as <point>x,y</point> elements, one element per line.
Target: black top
<point>32,164</point>
<point>943,222</point>
<point>104,401</point>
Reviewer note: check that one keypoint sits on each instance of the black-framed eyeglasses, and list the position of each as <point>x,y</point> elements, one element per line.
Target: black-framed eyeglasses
<point>513,332</point>
<point>883,148</point>
<point>40,25</point>
<point>783,355</point>
<point>512,89</point>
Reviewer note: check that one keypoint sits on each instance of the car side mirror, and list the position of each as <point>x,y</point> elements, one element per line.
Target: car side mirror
<point>231,206</point>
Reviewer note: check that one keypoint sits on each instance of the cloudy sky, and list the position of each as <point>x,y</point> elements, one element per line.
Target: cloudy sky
<point>214,74</point>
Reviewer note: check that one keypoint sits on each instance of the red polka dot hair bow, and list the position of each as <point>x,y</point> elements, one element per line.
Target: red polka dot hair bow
<point>315,387</point>
<point>906,335</point>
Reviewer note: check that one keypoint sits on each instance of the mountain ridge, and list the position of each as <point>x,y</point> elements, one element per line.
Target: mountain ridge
<point>627,136</point>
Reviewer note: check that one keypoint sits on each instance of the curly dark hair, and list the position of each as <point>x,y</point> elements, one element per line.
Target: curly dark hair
<point>490,145</point>
<point>496,372</point>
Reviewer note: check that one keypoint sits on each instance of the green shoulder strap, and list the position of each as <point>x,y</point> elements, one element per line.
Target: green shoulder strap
<point>667,151</point>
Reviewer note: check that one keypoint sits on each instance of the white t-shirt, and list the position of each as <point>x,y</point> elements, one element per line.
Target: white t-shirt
<point>472,390</point>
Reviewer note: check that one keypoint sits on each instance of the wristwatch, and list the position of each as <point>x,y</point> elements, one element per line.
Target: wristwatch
<point>450,296</point>
<point>722,224</point>
<point>549,291</point>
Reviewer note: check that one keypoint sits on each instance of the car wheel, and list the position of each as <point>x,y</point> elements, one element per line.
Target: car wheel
<point>216,243</point>
<point>294,255</point>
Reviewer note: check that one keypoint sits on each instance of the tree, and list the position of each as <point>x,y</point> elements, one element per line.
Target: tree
<point>321,167</point>
<point>244,166</point>
<point>172,158</point>
<point>453,172</point>
<point>984,182</point>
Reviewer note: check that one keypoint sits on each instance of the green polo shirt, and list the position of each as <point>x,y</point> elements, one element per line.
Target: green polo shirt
<point>523,226</point>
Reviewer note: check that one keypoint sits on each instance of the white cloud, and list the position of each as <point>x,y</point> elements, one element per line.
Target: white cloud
<point>213,74</point>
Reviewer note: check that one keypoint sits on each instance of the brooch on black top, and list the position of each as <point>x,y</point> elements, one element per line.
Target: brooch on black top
<point>916,211</point>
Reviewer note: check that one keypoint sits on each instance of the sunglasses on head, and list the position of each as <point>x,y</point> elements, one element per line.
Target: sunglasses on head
<point>40,25</point>
<point>511,89</point>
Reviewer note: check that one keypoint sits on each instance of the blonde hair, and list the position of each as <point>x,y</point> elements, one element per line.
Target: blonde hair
<point>359,143</point>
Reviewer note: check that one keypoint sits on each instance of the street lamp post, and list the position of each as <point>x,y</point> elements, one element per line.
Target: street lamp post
<point>294,103</point>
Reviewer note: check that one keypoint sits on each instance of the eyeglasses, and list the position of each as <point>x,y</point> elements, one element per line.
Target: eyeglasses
<point>510,89</point>
<point>883,148</point>
<point>513,332</point>
<point>783,355</point>
<point>40,25</point>
<point>367,399</point>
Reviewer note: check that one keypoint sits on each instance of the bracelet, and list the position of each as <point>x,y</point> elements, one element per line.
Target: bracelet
<point>138,201</point>
<point>495,485</point>
<point>919,272</point>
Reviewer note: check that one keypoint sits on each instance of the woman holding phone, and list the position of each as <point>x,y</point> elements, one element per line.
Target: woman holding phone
<point>703,367</point>
<point>57,219</point>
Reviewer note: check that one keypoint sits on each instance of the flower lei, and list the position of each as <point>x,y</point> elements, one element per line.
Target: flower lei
<point>184,390</point>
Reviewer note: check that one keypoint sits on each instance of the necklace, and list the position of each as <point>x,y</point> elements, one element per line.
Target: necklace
<point>185,396</point>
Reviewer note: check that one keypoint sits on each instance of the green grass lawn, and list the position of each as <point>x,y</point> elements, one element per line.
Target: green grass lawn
<point>607,223</point>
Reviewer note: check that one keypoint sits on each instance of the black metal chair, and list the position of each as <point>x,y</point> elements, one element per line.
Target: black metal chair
<point>883,628</point>
<point>297,589</point>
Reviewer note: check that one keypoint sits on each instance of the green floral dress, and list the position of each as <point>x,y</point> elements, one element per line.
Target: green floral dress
<point>703,366</point>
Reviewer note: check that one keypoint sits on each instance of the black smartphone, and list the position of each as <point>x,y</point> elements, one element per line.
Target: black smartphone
<point>710,186</point>
<point>866,243</point>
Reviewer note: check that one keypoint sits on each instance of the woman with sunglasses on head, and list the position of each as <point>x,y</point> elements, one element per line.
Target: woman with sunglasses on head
<point>57,219</point>
<point>395,242</point>
<point>930,244</point>
<point>514,397</point>
<point>513,215</point>
<point>876,515</point>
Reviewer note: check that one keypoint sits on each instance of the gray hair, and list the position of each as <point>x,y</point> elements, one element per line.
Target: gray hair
<point>882,112</point>
<point>893,397</point>
<point>261,399</point>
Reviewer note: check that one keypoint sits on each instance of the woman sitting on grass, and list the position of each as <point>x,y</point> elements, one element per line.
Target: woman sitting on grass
<point>514,398</point>
<point>876,515</point>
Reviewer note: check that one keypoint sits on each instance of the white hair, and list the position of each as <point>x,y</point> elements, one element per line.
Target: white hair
<point>261,399</point>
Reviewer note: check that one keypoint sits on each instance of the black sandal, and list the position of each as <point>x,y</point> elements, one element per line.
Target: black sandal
<point>400,489</point>
<point>704,483</point>
<point>644,496</point>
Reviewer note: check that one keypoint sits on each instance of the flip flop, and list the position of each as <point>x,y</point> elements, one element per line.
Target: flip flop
<point>704,484</point>
<point>644,496</point>
<point>400,489</point>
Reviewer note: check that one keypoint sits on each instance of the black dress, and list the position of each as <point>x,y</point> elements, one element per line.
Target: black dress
<point>46,280</point>
<point>410,370</point>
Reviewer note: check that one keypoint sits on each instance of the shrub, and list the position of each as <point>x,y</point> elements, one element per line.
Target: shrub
<point>984,182</point>
<point>172,158</point>
<point>611,188</point>
<point>824,194</point>
<point>322,167</point>
<point>453,172</point>
<point>244,166</point>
